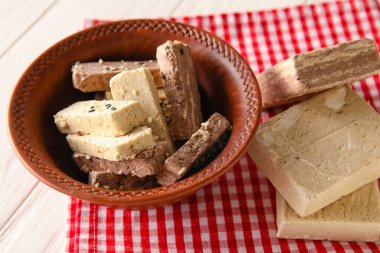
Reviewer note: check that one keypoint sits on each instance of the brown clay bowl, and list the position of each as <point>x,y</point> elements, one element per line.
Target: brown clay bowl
<point>227,85</point>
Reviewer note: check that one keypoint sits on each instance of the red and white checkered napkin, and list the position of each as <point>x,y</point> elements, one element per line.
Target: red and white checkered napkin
<point>237,212</point>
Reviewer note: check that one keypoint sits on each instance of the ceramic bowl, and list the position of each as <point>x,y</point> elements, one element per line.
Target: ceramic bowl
<point>226,82</point>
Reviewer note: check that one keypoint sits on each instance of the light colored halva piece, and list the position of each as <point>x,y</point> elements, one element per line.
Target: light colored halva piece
<point>101,118</point>
<point>320,150</point>
<point>138,85</point>
<point>113,148</point>
<point>355,217</point>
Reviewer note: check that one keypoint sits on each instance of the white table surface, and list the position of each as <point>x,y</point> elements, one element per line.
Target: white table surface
<point>33,216</point>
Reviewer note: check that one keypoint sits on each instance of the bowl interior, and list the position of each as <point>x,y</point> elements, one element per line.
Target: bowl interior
<point>46,87</point>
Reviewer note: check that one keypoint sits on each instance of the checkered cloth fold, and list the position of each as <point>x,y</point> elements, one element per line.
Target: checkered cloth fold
<point>237,212</point>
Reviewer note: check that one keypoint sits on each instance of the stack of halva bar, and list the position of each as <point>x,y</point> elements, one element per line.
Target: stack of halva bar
<point>323,154</point>
<point>124,139</point>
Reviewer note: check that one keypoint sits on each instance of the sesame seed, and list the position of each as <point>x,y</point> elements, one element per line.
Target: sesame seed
<point>181,171</point>
<point>100,61</point>
<point>143,65</point>
<point>106,187</point>
<point>134,92</point>
<point>113,108</point>
<point>122,61</point>
<point>108,106</point>
<point>150,119</point>
<point>151,61</point>
<point>96,185</point>
<point>77,63</point>
<point>92,110</point>
<point>136,63</point>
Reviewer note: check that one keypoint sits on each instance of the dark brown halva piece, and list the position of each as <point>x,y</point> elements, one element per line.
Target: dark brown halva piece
<point>203,146</point>
<point>113,181</point>
<point>321,69</point>
<point>147,163</point>
<point>95,76</point>
<point>182,108</point>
